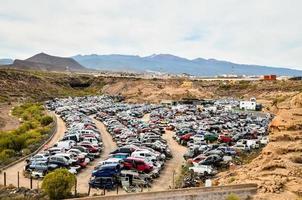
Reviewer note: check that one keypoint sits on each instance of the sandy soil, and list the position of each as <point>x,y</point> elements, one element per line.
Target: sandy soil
<point>11,172</point>
<point>173,166</point>
<point>7,121</point>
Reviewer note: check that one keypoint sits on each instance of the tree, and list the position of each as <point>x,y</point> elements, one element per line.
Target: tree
<point>58,184</point>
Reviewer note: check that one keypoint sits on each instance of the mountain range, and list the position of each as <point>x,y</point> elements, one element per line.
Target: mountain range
<point>167,63</point>
<point>163,63</point>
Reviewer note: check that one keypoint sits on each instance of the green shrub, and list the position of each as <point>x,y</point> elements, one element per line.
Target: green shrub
<point>232,196</point>
<point>58,184</point>
<point>25,152</point>
<point>29,135</point>
<point>46,120</point>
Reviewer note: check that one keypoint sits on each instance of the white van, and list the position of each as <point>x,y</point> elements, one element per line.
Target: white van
<point>145,153</point>
<point>66,144</point>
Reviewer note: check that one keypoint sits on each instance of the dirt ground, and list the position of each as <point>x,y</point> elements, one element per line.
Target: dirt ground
<point>173,166</point>
<point>7,121</point>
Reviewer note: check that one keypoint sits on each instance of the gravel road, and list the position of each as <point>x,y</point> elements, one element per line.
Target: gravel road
<point>165,181</point>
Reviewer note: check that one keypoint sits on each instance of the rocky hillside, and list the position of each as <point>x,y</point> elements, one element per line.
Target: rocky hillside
<point>47,62</point>
<point>278,168</point>
<point>18,85</point>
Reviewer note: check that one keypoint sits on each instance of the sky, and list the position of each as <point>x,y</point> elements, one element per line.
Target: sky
<point>264,32</point>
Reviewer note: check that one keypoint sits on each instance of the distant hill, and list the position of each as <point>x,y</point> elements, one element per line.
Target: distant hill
<point>6,61</point>
<point>47,62</point>
<point>176,65</point>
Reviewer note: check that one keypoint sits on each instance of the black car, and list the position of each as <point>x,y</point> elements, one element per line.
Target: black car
<point>212,160</point>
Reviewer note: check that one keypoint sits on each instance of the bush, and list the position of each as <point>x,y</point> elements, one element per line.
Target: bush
<point>29,135</point>
<point>46,120</point>
<point>232,196</point>
<point>58,184</point>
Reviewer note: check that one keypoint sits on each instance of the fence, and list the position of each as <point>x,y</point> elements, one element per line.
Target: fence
<point>243,191</point>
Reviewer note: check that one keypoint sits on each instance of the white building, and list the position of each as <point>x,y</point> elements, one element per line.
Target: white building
<point>248,105</point>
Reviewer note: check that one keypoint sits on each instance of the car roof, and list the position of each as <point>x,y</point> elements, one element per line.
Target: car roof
<point>110,165</point>
<point>134,158</point>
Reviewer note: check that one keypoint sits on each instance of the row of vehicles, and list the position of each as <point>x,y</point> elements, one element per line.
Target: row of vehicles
<point>141,152</point>
<point>215,137</point>
<point>81,143</point>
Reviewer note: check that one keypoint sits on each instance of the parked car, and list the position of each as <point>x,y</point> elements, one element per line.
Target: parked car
<point>107,170</point>
<point>203,169</point>
<point>138,164</point>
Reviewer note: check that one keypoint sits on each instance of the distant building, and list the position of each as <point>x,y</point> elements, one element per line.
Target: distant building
<point>269,77</point>
<point>250,105</point>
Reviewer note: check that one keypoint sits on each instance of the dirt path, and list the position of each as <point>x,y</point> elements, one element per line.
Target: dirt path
<point>165,181</point>
<point>11,172</point>
<point>7,121</point>
<point>109,145</point>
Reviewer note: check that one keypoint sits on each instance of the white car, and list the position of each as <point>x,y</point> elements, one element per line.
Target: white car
<point>241,147</point>
<point>38,157</point>
<point>110,161</point>
<point>203,169</point>
<point>198,138</point>
<point>264,140</point>
<point>146,154</point>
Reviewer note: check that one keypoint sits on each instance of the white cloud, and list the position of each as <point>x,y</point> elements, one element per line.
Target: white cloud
<point>267,32</point>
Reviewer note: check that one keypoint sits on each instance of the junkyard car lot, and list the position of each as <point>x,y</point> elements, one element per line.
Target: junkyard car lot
<point>82,141</point>
<point>214,134</point>
<point>141,152</point>
<point>215,137</point>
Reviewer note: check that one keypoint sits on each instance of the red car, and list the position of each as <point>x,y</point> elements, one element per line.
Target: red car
<point>82,161</point>
<point>138,164</point>
<point>197,159</point>
<point>225,139</point>
<point>186,137</point>
<point>91,148</point>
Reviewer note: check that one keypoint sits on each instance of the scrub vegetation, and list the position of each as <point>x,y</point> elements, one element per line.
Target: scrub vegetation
<point>34,130</point>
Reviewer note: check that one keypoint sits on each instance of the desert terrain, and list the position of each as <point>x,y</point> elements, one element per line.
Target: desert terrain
<point>277,169</point>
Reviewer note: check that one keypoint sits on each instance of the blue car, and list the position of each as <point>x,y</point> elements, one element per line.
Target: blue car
<point>108,170</point>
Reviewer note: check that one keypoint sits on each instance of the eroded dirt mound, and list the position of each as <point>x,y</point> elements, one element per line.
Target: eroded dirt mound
<point>278,169</point>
